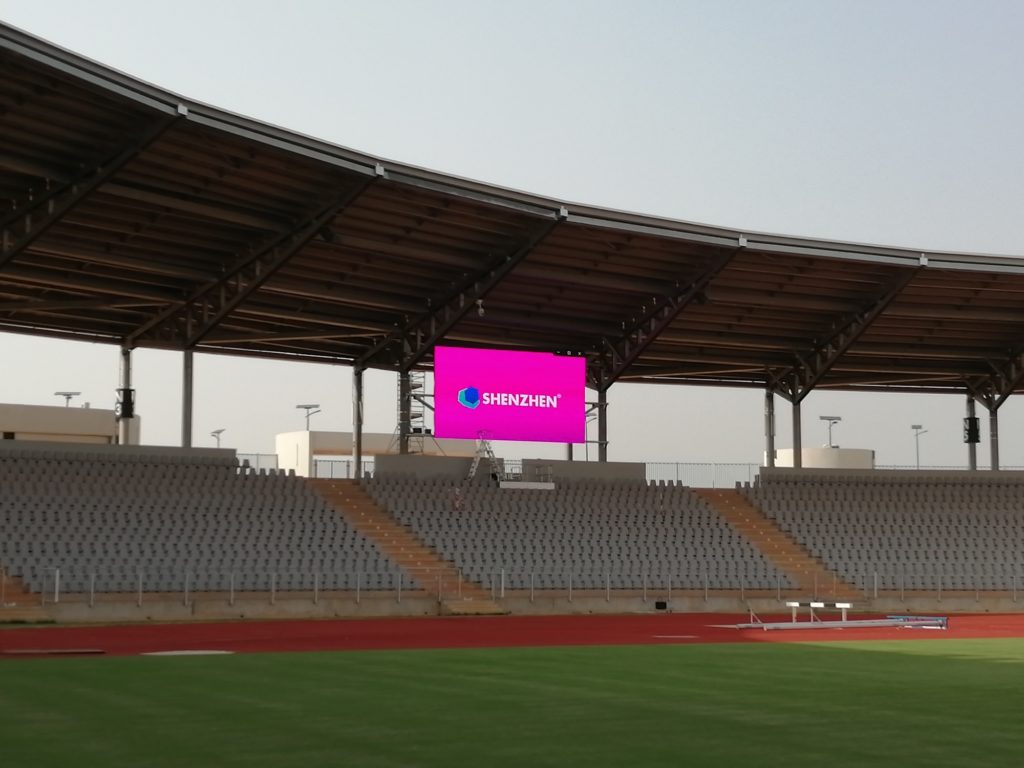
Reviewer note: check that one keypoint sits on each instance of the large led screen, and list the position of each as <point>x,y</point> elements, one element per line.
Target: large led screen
<point>529,396</point>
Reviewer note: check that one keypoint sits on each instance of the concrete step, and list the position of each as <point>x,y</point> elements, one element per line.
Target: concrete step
<point>397,542</point>
<point>13,591</point>
<point>785,553</point>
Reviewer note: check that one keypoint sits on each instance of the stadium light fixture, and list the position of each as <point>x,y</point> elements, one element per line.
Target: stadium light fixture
<point>67,397</point>
<point>216,435</point>
<point>311,410</point>
<point>917,443</point>
<point>832,421</point>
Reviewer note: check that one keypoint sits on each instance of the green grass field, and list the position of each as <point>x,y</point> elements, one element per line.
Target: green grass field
<point>926,703</point>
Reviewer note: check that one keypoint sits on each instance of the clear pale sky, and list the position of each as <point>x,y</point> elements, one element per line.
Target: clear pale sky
<point>887,122</point>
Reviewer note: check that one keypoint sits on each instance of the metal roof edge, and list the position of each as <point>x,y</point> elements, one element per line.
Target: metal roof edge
<point>164,101</point>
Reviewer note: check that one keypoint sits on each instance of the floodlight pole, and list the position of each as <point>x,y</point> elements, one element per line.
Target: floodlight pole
<point>67,397</point>
<point>832,421</point>
<point>311,409</point>
<point>917,442</point>
<point>216,435</point>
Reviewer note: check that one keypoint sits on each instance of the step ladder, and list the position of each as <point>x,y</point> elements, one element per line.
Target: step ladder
<point>484,451</point>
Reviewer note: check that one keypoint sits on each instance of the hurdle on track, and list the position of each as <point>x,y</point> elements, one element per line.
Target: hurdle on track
<point>816,622</point>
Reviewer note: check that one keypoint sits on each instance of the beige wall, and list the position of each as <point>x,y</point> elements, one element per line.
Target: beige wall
<point>539,469</point>
<point>424,466</point>
<point>62,425</point>
<point>828,458</point>
<point>297,450</point>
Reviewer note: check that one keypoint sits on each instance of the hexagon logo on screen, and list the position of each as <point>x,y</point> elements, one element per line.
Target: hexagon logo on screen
<point>469,397</point>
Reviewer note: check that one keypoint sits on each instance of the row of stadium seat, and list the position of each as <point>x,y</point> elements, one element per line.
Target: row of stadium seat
<point>90,516</point>
<point>620,528</point>
<point>916,527</point>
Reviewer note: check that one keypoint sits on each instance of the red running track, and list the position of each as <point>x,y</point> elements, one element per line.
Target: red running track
<point>458,632</point>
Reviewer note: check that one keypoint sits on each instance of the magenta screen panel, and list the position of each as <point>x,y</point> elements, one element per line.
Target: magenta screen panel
<point>529,396</point>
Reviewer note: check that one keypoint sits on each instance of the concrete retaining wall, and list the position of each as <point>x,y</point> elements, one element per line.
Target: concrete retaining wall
<point>218,608</point>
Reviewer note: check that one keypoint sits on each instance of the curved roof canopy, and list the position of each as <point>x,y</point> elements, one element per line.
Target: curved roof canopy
<point>134,216</point>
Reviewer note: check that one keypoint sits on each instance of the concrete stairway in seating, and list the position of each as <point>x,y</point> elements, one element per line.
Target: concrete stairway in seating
<point>785,553</point>
<point>405,549</point>
<point>17,603</point>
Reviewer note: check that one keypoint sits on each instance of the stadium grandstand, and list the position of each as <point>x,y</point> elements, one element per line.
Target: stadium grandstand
<point>136,217</point>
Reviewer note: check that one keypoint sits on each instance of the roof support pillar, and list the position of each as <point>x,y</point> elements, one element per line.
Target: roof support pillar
<point>126,411</point>
<point>404,411</point>
<point>186,399</point>
<point>992,391</point>
<point>602,425</point>
<point>993,437</point>
<point>972,448</point>
<point>798,448</point>
<point>769,428</point>
<point>357,422</point>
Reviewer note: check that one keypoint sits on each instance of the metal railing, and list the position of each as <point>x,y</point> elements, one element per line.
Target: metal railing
<point>56,585</point>
<point>693,474</point>
<point>697,475</point>
<point>258,461</point>
<point>341,469</point>
<point>703,475</point>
